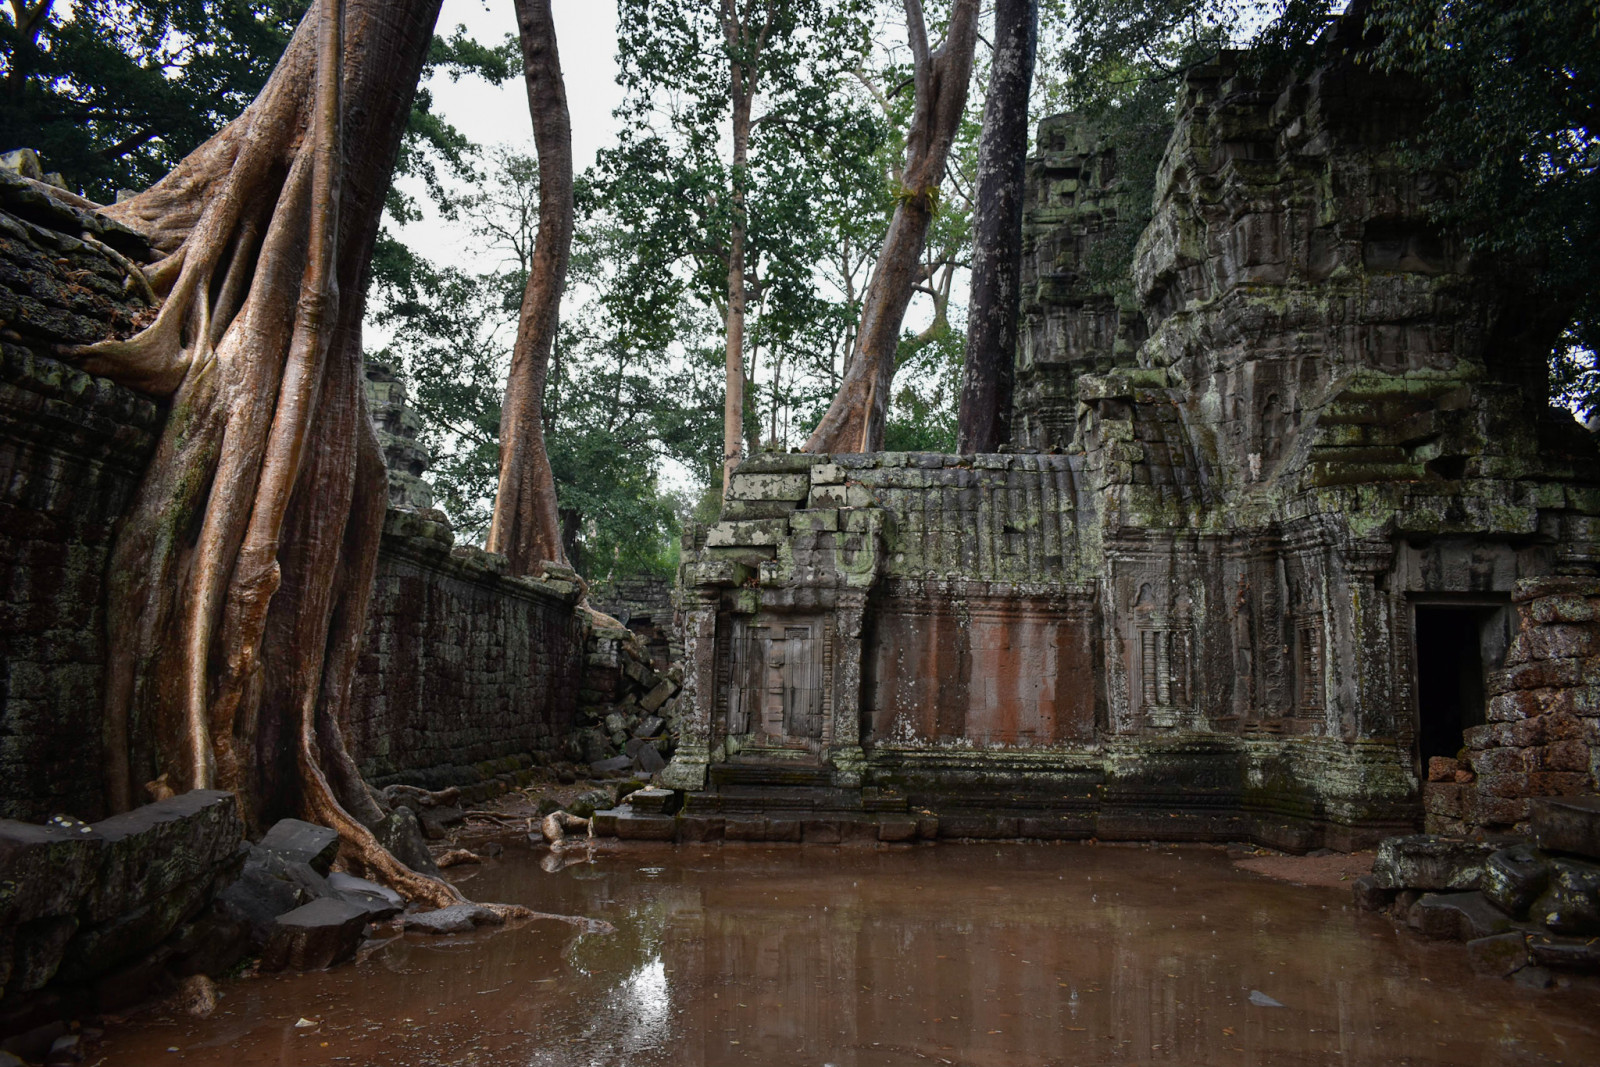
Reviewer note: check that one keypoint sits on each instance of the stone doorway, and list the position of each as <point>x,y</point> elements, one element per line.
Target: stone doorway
<point>777,681</point>
<point>1457,644</point>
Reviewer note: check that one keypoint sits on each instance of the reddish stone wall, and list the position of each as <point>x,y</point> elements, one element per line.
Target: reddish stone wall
<point>1542,737</point>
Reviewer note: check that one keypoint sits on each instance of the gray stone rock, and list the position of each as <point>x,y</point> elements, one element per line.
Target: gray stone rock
<point>37,949</point>
<point>1500,955</point>
<point>1568,824</point>
<point>381,902</point>
<point>152,850</point>
<point>588,803</point>
<point>298,841</point>
<point>401,834</point>
<point>1571,904</point>
<point>650,726</point>
<point>651,801</point>
<point>1430,861</point>
<point>456,919</point>
<point>1369,896</point>
<point>262,892</point>
<point>1514,877</point>
<point>438,821</point>
<point>315,935</point>
<point>1580,954</point>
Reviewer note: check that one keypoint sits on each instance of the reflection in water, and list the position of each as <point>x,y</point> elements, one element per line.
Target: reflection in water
<point>993,954</point>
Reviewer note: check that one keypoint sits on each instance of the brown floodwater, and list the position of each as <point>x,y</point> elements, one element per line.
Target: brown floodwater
<point>982,954</point>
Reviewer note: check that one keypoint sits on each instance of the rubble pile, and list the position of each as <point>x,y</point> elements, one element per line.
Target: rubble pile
<point>627,710</point>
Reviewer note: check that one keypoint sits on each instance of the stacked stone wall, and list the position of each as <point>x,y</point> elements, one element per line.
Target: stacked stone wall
<point>468,675</point>
<point>1542,737</point>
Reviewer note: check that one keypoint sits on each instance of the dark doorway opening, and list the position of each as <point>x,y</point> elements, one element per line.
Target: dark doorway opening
<point>1457,645</point>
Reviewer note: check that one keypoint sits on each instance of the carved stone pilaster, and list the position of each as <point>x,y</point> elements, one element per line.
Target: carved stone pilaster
<point>845,754</point>
<point>698,697</point>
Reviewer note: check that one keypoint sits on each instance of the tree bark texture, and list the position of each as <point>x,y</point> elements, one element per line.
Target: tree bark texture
<point>854,421</point>
<point>239,581</point>
<point>741,41</point>
<point>526,527</point>
<point>984,419</point>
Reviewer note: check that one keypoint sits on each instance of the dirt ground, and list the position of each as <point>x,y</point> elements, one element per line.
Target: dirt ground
<point>1332,869</point>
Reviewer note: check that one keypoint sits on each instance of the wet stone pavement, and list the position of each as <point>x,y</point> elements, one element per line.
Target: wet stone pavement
<point>956,954</point>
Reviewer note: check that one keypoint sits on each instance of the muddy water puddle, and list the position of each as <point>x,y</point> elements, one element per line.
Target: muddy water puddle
<point>956,954</point>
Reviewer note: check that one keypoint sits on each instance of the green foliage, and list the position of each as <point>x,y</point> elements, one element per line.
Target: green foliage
<point>1517,87</point>
<point>617,405</point>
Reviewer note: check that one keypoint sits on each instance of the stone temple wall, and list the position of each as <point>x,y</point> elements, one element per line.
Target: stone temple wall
<point>1252,560</point>
<point>468,675</point>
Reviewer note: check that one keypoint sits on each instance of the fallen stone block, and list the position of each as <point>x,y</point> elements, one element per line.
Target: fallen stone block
<point>1369,895</point>
<point>401,834</point>
<point>297,841</point>
<point>127,936</point>
<point>152,850</point>
<point>650,801</point>
<point>1430,861</point>
<point>1571,903</point>
<point>380,902</point>
<point>1514,877</point>
<point>653,700</point>
<point>1500,955</point>
<point>613,766</point>
<point>438,821</point>
<point>37,949</point>
<point>1458,917</point>
<point>648,759</point>
<point>315,935</point>
<point>1568,824</point>
<point>260,894</point>
<point>1580,954</point>
<point>650,726</point>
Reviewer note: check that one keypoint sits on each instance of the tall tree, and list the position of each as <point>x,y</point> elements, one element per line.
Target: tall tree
<point>241,574</point>
<point>734,112</point>
<point>854,422</point>
<point>984,421</point>
<point>527,528</point>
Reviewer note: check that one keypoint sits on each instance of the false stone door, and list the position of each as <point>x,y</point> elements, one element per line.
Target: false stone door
<point>775,690</point>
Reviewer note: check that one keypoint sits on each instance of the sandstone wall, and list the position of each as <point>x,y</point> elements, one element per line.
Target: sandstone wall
<point>468,676</point>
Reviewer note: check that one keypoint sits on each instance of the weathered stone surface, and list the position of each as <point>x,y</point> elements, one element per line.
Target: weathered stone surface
<point>1571,903</point>
<point>401,834</point>
<point>1458,917</point>
<point>297,841</point>
<point>1580,954</point>
<point>1500,955</point>
<point>1568,824</point>
<point>313,936</point>
<point>151,850</point>
<point>456,919</point>
<point>44,870</point>
<point>1513,878</point>
<point>1429,861</point>
<point>262,892</point>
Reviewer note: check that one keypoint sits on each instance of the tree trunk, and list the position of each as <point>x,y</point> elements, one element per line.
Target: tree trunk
<point>984,421</point>
<point>854,422</point>
<point>741,89</point>
<point>240,577</point>
<point>526,527</point>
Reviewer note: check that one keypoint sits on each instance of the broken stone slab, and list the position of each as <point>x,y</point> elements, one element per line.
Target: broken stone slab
<point>658,696</point>
<point>456,919</point>
<point>1430,861</point>
<point>1514,877</point>
<point>127,936</point>
<point>648,759</point>
<point>649,727</point>
<point>1500,955</point>
<point>295,840</point>
<point>260,894</point>
<point>380,901</point>
<point>1571,903</point>
<point>1568,824</point>
<point>614,765</point>
<point>314,936</point>
<point>152,850</point>
<point>1457,917</point>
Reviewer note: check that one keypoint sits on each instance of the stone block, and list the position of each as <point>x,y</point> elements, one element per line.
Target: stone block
<point>1431,862</point>
<point>1458,917</point>
<point>649,759</point>
<point>1369,896</point>
<point>769,486</point>
<point>892,829</point>
<point>827,497</point>
<point>814,520</point>
<point>822,832</point>
<point>700,828</point>
<point>1442,769</point>
<point>758,509</point>
<point>1581,954</point>
<point>859,496</point>
<point>657,697</point>
<point>297,841</point>
<point>778,463</point>
<point>634,826</point>
<point>1499,956</point>
<point>613,766</point>
<point>1568,824</point>
<point>380,902</point>
<point>653,801</point>
<point>744,828</point>
<point>1570,904</point>
<point>44,870</point>
<point>651,726</point>
<point>785,828</point>
<point>455,919</point>
<point>1513,878</point>
<point>153,849</point>
<point>315,935</point>
<point>827,474</point>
